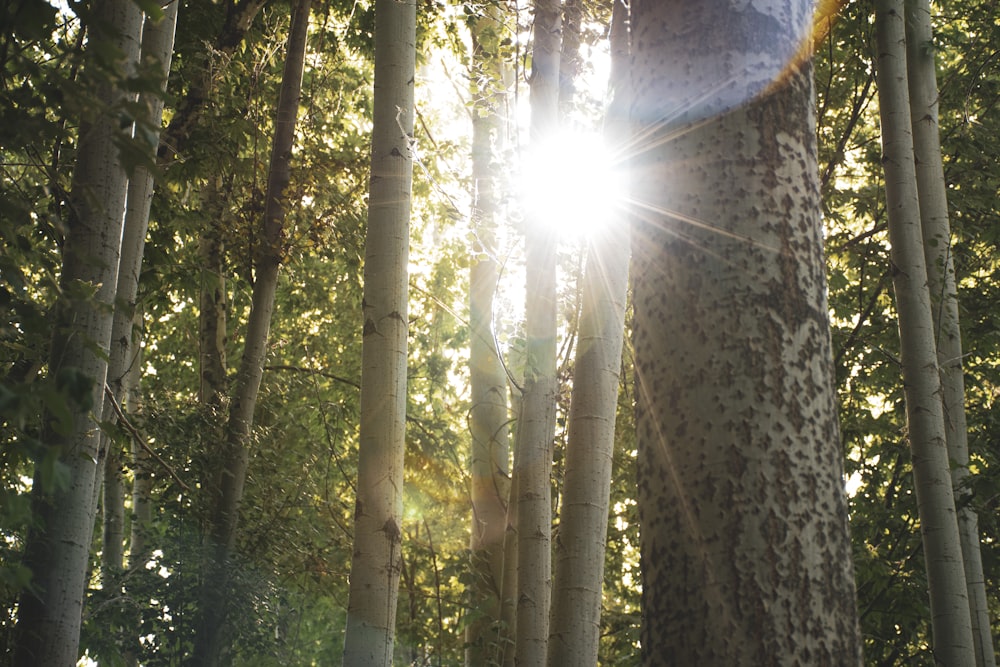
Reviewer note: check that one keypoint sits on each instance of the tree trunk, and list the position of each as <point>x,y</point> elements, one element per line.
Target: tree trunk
<point>746,558</point>
<point>157,47</point>
<point>57,549</point>
<point>536,429</point>
<point>488,416</point>
<point>950,615</point>
<point>210,641</point>
<point>371,611</point>
<point>575,618</point>
<point>936,232</point>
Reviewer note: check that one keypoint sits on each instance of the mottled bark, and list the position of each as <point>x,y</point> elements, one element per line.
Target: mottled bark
<point>746,557</point>
<point>536,428</point>
<point>575,618</point>
<point>378,510</point>
<point>488,415</point>
<point>936,230</point>
<point>57,548</point>
<point>228,495</point>
<point>950,615</point>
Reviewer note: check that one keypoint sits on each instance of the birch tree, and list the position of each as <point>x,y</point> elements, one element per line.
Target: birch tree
<point>950,613</point>
<point>378,508</point>
<point>57,549</point>
<point>228,496</point>
<point>745,553</point>
<point>936,233</point>
<point>575,619</point>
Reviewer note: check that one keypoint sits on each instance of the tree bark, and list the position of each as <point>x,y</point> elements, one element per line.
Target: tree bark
<point>488,416</point>
<point>936,232</point>
<point>57,548</point>
<point>575,618</point>
<point>950,616</point>
<point>536,429</point>
<point>745,553</point>
<point>221,537</point>
<point>157,48</point>
<point>371,611</point>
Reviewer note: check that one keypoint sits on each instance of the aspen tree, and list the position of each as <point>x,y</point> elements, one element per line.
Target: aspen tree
<point>378,508</point>
<point>575,619</point>
<point>57,550</point>
<point>156,51</point>
<point>488,415</point>
<point>745,553</point>
<point>228,496</point>
<point>536,427</point>
<point>951,623</point>
<point>936,231</point>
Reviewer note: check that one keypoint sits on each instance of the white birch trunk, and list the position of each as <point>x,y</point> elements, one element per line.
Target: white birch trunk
<point>575,618</point>
<point>950,616</point>
<point>58,549</point>
<point>536,428</point>
<point>746,557</point>
<point>936,231</point>
<point>375,565</point>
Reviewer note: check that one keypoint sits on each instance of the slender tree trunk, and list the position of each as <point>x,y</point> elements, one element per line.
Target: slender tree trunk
<point>488,416</point>
<point>746,557</point>
<point>58,548</point>
<point>210,640</point>
<point>371,611</point>
<point>157,47</point>
<point>538,410</point>
<point>506,633</point>
<point>575,619</point>
<point>212,330</point>
<point>142,468</point>
<point>950,616</point>
<point>936,232</point>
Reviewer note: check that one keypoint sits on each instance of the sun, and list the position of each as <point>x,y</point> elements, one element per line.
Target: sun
<point>572,183</point>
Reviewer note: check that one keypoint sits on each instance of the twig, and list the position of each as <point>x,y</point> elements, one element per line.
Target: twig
<point>123,420</point>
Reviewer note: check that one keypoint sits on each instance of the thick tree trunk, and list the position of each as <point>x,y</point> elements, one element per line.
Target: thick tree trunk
<point>58,547</point>
<point>575,618</point>
<point>936,231</point>
<point>371,611</point>
<point>950,616</point>
<point>536,429</point>
<point>221,537</point>
<point>746,558</point>
<point>488,416</point>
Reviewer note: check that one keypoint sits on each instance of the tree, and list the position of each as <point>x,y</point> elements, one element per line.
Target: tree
<point>745,550</point>
<point>575,619</point>
<point>936,233</point>
<point>537,419</point>
<point>57,550</point>
<point>123,360</point>
<point>375,563</point>
<point>488,416</point>
<point>950,614</point>
<point>228,497</point>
